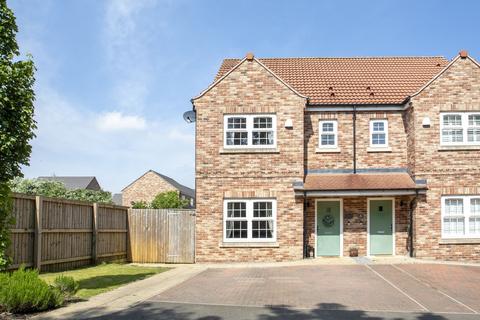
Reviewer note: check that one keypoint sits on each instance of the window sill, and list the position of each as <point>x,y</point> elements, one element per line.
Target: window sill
<point>327,150</point>
<point>249,245</point>
<point>248,150</point>
<point>379,149</point>
<point>460,241</point>
<point>458,148</point>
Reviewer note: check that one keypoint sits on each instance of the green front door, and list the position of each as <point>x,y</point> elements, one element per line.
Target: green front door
<point>328,228</point>
<point>381,235</point>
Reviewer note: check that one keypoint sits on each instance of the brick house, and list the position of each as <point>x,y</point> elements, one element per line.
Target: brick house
<point>151,183</point>
<point>309,157</point>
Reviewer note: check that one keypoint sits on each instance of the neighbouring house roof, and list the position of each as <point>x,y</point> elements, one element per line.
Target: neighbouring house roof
<point>359,181</point>
<point>180,187</point>
<point>75,182</point>
<point>351,81</point>
<point>117,198</point>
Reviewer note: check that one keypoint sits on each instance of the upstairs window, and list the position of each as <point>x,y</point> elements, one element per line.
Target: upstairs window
<point>378,133</point>
<point>328,134</point>
<point>460,128</point>
<point>461,217</point>
<point>250,131</point>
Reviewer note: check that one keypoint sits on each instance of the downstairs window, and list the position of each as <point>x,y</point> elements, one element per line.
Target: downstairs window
<point>461,217</point>
<point>249,220</point>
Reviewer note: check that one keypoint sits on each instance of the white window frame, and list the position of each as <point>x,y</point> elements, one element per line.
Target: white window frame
<point>464,127</point>
<point>385,131</point>
<point>334,132</point>
<point>250,129</point>
<point>249,217</point>
<point>466,215</point>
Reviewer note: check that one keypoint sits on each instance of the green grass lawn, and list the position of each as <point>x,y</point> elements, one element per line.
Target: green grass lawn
<point>104,277</point>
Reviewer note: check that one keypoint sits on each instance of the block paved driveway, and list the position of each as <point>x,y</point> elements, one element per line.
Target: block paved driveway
<point>403,291</point>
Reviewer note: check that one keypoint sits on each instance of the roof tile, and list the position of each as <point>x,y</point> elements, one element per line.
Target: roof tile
<point>390,79</point>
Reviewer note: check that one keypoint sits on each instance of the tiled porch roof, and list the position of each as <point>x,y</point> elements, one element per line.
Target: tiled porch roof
<point>359,181</point>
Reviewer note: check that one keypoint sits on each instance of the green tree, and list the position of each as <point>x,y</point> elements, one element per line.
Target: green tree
<point>168,200</point>
<point>17,124</point>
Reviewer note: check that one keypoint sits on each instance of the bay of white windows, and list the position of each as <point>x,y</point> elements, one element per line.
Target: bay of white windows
<point>462,128</point>
<point>461,217</point>
<point>250,131</point>
<point>250,220</point>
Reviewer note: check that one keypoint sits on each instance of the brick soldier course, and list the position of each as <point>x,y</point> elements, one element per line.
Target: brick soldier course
<point>301,92</point>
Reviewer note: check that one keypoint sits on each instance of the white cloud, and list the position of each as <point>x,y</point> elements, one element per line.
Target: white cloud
<point>112,121</point>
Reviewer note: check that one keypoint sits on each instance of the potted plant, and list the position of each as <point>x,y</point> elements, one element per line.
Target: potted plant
<point>353,251</point>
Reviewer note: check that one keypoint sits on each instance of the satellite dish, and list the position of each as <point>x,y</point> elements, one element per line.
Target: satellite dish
<point>189,116</point>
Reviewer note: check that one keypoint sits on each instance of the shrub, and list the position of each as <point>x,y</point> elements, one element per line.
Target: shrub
<point>140,205</point>
<point>168,200</point>
<point>66,285</point>
<point>23,291</point>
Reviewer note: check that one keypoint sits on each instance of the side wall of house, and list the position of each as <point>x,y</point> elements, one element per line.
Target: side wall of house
<point>244,174</point>
<point>448,172</point>
<point>145,189</point>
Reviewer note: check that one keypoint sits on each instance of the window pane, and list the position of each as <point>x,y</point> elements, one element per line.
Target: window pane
<point>474,120</point>
<point>262,229</point>
<point>378,138</point>
<point>263,138</point>
<point>475,207</point>
<point>453,226</point>
<point>474,225</point>
<point>237,123</point>
<point>452,135</point>
<point>236,210</point>
<point>262,209</point>
<point>237,138</point>
<point>263,122</point>
<point>236,229</point>
<point>453,207</point>
<point>473,135</point>
<point>452,120</point>
<point>378,126</point>
<point>327,127</point>
<point>328,140</point>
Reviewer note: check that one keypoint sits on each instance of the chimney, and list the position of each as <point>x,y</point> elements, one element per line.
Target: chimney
<point>463,54</point>
<point>250,56</point>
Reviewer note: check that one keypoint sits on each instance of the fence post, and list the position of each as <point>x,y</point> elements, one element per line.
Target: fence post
<point>129,241</point>
<point>37,263</point>
<point>95,233</point>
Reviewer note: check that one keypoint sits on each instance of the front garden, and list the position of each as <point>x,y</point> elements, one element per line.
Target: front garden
<point>25,291</point>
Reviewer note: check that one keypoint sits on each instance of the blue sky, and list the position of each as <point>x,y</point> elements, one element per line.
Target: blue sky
<point>114,77</point>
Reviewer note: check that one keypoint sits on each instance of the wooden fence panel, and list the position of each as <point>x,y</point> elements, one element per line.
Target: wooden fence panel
<point>64,237</point>
<point>162,235</point>
<point>23,231</point>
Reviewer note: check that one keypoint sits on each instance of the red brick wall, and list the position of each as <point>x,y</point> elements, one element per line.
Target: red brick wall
<point>397,157</point>
<point>222,174</point>
<point>448,172</point>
